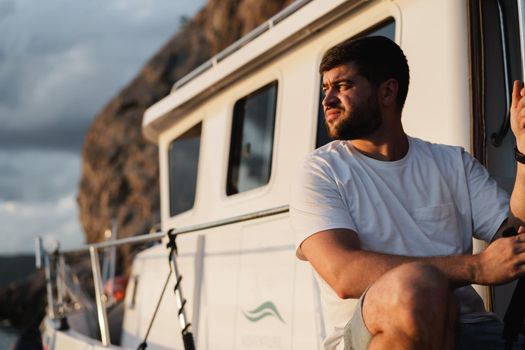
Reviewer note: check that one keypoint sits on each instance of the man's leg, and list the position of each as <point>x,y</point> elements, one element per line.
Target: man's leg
<point>410,307</point>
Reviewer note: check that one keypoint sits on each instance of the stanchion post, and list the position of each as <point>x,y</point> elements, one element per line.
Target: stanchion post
<point>101,308</point>
<point>49,287</point>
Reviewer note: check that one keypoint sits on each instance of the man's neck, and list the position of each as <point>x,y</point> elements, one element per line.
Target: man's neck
<point>385,145</point>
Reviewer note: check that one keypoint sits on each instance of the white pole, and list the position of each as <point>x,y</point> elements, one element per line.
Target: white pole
<point>112,262</point>
<point>101,308</point>
<point>521,19</point>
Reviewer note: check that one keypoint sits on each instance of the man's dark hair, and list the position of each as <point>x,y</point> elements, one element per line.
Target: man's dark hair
<point>377,58</point>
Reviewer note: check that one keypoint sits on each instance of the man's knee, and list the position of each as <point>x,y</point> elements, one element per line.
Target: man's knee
<point>408,297</point>
<point>418,283</point>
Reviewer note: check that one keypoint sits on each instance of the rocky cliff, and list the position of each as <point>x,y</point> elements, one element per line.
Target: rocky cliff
<point>120,169</point>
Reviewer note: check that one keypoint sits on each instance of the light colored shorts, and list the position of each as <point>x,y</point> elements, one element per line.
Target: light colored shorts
<point>356,335</point>
<point>482,335</point>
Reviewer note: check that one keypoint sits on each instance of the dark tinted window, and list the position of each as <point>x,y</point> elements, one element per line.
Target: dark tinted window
<point>183,164</point>
<point>252,140</point>
<point>387,29</point>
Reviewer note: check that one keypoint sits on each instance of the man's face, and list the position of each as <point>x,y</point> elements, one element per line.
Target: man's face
<point>350,104</point>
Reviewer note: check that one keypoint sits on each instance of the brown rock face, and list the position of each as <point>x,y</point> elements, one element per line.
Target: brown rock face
<point>120,169</point>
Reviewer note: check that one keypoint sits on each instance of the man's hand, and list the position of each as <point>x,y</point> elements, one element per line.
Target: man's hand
<point>517,114</point>
<point>503,260</point>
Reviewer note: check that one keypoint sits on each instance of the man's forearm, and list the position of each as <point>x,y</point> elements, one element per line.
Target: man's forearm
<point>502,262</point>
<point>338,258</point>
<point>460,270</point>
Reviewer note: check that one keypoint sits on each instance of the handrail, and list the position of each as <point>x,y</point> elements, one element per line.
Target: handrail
<point>281,15</point>
<point>121,241</point>
<point>233,220</point>
<point>183,230</point>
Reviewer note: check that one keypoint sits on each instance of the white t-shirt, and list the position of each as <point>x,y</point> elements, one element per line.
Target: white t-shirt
<point>429,203</point>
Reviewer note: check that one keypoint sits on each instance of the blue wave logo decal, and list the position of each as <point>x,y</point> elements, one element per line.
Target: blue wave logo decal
<point>266,309</point>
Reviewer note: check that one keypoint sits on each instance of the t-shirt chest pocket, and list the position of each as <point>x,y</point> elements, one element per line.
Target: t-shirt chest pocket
<point>439,224</point>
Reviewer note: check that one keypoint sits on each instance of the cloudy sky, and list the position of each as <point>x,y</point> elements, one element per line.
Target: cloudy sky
<point>61,61</point>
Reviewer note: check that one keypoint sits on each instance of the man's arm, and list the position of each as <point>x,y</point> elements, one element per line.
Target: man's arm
<point>337,257</point>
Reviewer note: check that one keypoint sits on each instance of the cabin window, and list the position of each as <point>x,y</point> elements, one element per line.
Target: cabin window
<point>251,143</point>
<point>183,166</point>
<point>386,29</point>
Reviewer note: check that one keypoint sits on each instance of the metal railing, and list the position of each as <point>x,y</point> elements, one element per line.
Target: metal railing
<point>55,267</point>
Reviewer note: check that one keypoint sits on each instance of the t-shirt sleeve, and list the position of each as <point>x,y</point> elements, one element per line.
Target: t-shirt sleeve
<point>489,202</point>
<point>316,203</point>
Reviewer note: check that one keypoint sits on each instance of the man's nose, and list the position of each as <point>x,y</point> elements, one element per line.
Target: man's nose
<point>329,98</point>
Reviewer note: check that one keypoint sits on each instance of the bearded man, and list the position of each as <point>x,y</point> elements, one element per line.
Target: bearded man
<point>388,219</point>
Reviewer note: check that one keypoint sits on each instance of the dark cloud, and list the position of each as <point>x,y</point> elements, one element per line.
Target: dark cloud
<point>9,185</point>
<point>6,9</point>
<point>7,170</point>
<point>37,176</point>
<point>9,192</point>
<point>9,90</point>
<point>64,60</point>
<point>23,222</point>
<point>67,136</point>
<point>9,188</point>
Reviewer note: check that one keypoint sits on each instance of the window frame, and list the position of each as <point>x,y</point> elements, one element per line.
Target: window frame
<point>198,167</point>
<point>270,79</point>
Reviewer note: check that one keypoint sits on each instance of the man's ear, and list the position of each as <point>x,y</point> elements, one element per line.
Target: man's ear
<point>387,93</point>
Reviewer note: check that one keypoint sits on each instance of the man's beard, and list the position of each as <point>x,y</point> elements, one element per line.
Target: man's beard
<point>362,121</point>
